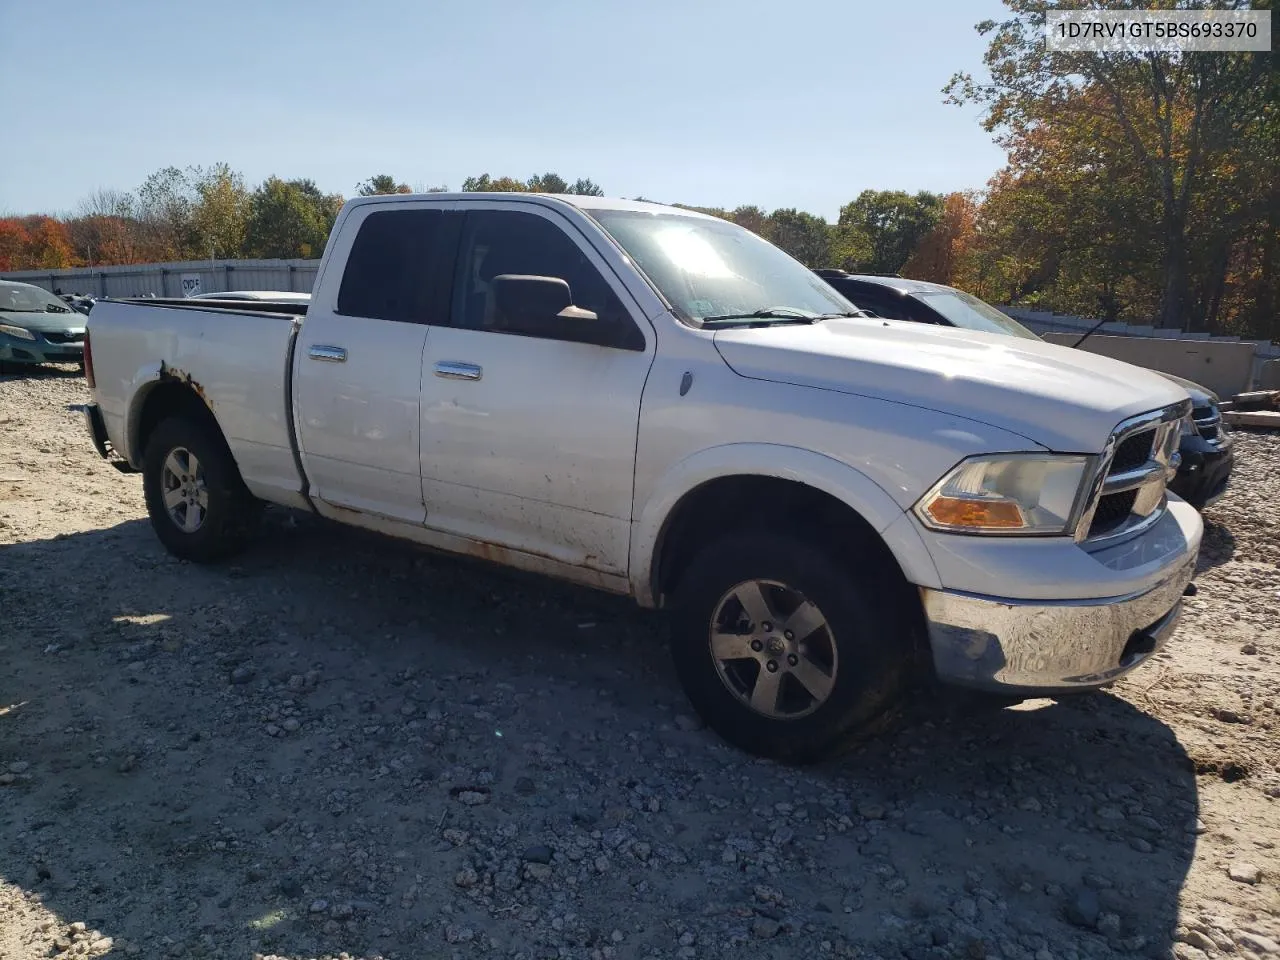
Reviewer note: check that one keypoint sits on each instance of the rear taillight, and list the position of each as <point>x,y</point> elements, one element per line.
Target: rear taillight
<point>88,361</point>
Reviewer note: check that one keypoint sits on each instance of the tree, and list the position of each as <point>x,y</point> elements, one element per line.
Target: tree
<point>940,252</point>
<point>382,183</point>
<point>548,183</point>
<point>486,184</point>
<point>14,242</point>
<point>881,228</point>
<point>289,218</point>
<point>1175,116</point>
<point>165,203</point>
<point>583,187</point>
<point>753,218</point>
<point>221,213</point>
<point>804,236</point>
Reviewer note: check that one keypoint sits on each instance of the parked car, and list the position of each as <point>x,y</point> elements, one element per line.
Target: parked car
<point>661,404</point>
<point>1206,450</point>
<point>278,296</point>
<point>37,327</point>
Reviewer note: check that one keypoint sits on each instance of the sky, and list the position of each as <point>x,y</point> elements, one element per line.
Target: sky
<point>778,103</point>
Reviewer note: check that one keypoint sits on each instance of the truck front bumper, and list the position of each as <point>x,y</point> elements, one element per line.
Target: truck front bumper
<point>1051,645</point>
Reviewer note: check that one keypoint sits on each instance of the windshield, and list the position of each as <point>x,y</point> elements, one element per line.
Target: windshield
<point>969,312</point>
<point>23,298</point>
<point>713,268</point>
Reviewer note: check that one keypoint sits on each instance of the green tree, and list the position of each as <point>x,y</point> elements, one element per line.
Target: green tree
<point>1175,116</point>
<point>486,184</point>
<point>547,183</point>
<point>804,236</point>
<point>753,218</point>
<point>289,218</point>
<point>166,200</point>
<point>221,214</point>
<point>382,183</point>
<point>583,187</point>
<point>881,228</point>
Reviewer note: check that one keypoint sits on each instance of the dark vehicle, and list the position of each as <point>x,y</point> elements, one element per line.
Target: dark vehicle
<point>1207,454</point>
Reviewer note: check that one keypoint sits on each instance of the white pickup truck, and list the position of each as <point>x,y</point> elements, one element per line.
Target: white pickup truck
<point>661,404</point>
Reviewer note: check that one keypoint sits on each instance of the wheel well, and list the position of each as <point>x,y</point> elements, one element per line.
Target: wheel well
<point>170,398</point>
<point>728,504</point>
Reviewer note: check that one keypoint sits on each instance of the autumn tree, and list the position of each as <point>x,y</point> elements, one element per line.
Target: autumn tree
<point>220,217</point>
<point>940,252</point>
<point>1175,116</point>
<point>14,242</point>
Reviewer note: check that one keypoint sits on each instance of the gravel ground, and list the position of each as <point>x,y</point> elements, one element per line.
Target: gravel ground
<point>341,746</point>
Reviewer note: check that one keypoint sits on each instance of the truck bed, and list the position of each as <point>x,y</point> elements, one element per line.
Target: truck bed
<point>236,356</point>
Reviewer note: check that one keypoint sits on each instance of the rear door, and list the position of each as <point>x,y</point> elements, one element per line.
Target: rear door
<point>529,436</point>
<point>358,363</point>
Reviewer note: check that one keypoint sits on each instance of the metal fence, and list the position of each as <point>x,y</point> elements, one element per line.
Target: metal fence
<point>180,279</point>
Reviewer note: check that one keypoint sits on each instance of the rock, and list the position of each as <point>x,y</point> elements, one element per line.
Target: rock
<point>1141,845</point>
<point>242,674</point>
<point>525,787</point>
<point>1083,909</point>
<point>1262,946</point>
<point>537,871</point>
<point>318,906</point>
<point>472,798</point>
<point>688,722</point>
<point>537,853</point>
<point>1185,951</point>
<point>128,764</point>
<point>1109,925</point>
<point>456,837</point>
<point>19,766</point>
<point>1244,873</point>
<point>291,724</point>
<point>289,887</point>
<point>871,811</point>
<point>272,730</point>
<point>6,779</point>
<point>765,929</point>
<point>1249,649</point>
<point>101,945</point>
<point>1195,938</point>
<point>466,878</point>
<point>77,928</point>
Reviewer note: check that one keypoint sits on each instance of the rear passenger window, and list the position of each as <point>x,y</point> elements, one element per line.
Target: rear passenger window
<point>393,266</point>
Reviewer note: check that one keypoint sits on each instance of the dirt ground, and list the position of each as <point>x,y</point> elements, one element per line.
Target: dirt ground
<point>344,746</point>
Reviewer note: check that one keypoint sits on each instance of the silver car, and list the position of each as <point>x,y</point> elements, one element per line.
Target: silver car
<point>37,327</point>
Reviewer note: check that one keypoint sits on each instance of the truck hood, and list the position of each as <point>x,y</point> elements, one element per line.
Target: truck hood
<point>1063,399</point>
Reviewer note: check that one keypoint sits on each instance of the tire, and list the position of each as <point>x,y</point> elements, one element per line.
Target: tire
<point>862,650</point>
<point>225,513</point>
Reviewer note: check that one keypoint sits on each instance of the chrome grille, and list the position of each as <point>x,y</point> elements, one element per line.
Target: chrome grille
<point>1127,491</point>
<point>64,337</point>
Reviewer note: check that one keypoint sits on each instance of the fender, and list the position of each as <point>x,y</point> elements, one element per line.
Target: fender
<point>144,380</point>
<point>847,484</point>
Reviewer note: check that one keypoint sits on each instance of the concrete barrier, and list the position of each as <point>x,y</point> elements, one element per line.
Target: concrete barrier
<point>1269,378</point>
<point>1224,367</point>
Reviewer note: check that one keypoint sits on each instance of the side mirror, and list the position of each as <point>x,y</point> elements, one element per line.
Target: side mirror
<point>536,300</point>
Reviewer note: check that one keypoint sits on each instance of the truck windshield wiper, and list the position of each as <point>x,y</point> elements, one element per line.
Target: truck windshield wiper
<point>847,313</point>
<point>778,314</point>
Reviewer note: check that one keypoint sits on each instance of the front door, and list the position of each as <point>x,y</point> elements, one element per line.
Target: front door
<point>358,361</point>
<point>529,436</point>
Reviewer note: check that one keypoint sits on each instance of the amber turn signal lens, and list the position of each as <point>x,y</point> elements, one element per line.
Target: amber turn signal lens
<point>986,514</point>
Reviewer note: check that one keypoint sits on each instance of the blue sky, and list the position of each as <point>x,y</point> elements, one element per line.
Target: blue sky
<point>799,103</point>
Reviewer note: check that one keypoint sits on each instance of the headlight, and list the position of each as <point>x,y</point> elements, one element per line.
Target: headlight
<point>19,332</point>
<point>1027,493</point>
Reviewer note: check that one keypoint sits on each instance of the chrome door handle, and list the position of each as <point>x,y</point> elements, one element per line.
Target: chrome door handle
<point>332,354</point>
<point>452,370</point>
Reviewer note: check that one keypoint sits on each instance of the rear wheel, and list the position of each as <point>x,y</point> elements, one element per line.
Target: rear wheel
<point>199,506</point>
<point>786,651</point>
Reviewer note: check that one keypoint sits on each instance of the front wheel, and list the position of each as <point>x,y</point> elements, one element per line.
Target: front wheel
<point>198,504</point>
<point>786,651</point>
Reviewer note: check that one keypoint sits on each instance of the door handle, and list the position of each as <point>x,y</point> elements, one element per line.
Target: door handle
<point>322,351</point>
<point>452,370</point>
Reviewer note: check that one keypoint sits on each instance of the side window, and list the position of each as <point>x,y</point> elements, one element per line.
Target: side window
<point>394,265</point>
<point>880,302</point>
<point>497,242</point>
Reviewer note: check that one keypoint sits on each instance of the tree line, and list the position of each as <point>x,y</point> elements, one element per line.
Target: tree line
<point>1139,187</point>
